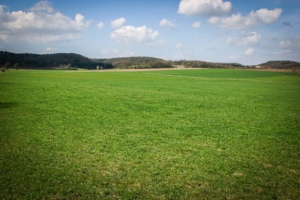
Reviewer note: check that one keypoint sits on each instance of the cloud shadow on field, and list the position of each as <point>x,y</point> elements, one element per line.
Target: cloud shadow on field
<point>8,104</point>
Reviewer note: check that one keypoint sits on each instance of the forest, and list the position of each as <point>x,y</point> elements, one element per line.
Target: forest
<point>50,61</point>
<point>72,61</point>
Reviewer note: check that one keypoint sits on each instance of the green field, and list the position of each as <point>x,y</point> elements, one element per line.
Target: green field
<point>181,134</point>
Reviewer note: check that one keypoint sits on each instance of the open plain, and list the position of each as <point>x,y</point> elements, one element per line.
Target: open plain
<point>167,134</point>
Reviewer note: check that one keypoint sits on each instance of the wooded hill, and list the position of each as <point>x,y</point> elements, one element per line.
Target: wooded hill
<point>50,61</point>
<point>203,64</point>
<point>280,65</point>
<point>138,63</point>
<point>74,61</point>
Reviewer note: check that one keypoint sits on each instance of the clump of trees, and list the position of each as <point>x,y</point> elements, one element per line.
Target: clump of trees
<point>285,64</point>
<point>8,65</point>
<point>203,64</point>
<point>72,61</point>
<point>2,69</point>
<point>5,67</point>
<point>138,63</point>
<point>50,61</point>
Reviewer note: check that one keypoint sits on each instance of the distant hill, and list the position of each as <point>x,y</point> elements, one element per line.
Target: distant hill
<point>204,64</point>
<point>74,61</point>
<point>138,62</point>
<point>280,65</point>
<point>150,62</point>
<point>50,61</point>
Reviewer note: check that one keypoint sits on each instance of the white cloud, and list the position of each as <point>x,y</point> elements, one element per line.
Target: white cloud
<point>131,34</point>
<point>268,16</point>
<point>167,23</point>
<point>247,38</point>
<point>50,49</point>
<point>118,22</point>
<point>292,43</point>
<point>178,45</point>
<point>204,7</point>
<point>283,52</point>
<point>100,25</point>
<point>43,6</point>
<point>196,25</point>
<point>249,52</point>
<point>237,21</point>
<point>158,42</point>
<point>41,23</point>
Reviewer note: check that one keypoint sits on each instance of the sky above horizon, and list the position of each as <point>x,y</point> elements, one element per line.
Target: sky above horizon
<point>246,32</point>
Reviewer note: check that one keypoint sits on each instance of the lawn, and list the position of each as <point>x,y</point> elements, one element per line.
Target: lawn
<point>182,134</point>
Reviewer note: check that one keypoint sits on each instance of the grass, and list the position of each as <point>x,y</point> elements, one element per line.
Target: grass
<point>184,134</point>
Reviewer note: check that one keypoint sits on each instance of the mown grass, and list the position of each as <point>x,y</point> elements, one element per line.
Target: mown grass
<point>188,134</point>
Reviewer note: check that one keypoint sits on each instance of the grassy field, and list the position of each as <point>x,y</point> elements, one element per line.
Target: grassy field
<point>182,134</point>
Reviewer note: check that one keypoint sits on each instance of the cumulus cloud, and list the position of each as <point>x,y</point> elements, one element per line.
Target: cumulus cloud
<point>246,38</point>
<point>100,25</point>
<point>196,25</point>
<point>204,7</point>
<point>157,42</point>
<point>40,24</point>
<point>43,6</point>
<point>178,45</point>
<point>255,18</point>
<point>283,52</point>
<point>292,43</point>
<point>167,23</point>
<point>118,22</point>
<point>249,52</point>
<point>50,49</point>
<point>131,34</point>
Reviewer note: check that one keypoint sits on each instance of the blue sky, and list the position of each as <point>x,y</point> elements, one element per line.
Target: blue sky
<point>247,32</point>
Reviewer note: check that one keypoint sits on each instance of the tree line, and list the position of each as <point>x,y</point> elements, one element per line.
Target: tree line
<point>49,61</point>
<point>75,61</point>
<point>72,61</point>
<point>138,62</point>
